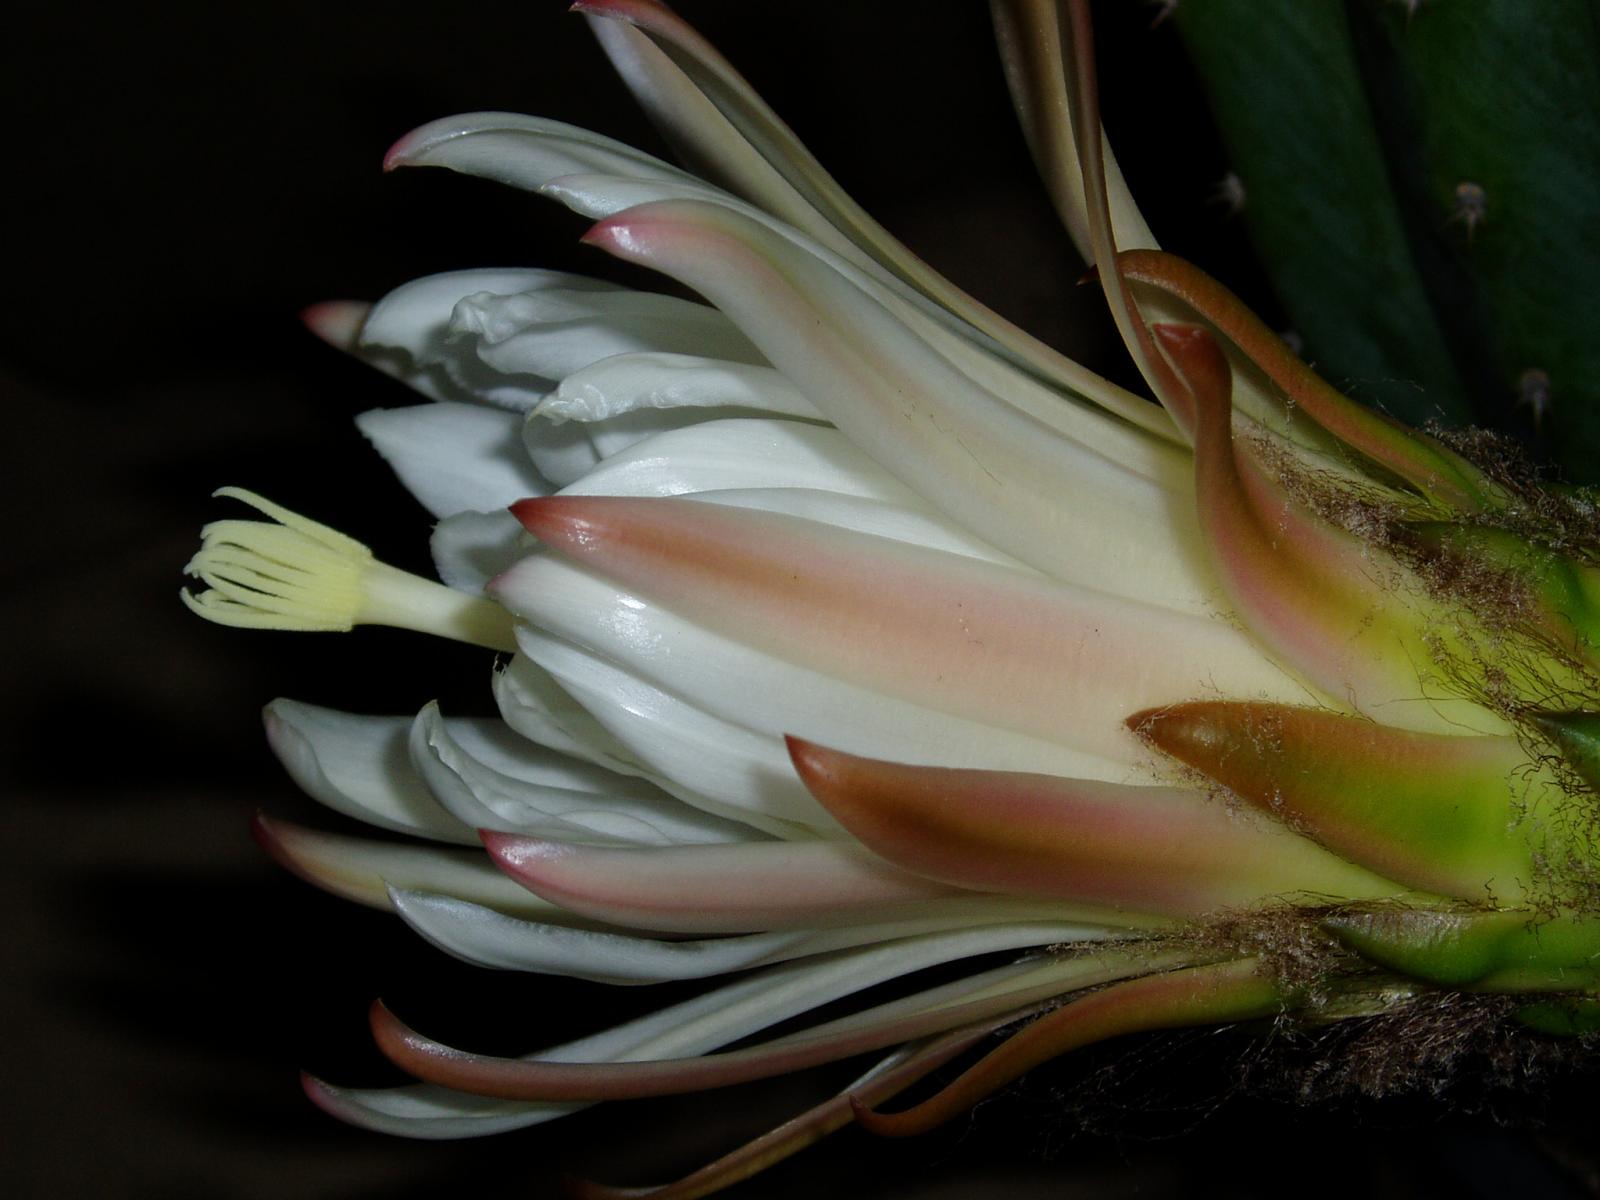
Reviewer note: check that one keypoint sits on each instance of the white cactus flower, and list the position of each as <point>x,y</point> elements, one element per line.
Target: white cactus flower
<point>849,632</point>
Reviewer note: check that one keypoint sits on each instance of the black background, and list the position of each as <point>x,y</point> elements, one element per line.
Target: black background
<point>183,179</point>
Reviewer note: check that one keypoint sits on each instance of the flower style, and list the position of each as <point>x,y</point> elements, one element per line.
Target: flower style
<point>854,632</point>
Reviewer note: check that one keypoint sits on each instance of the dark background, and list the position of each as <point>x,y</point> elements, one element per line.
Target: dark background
<point>183,179</point>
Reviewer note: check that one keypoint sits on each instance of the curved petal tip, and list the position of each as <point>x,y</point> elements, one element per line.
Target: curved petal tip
<point>499,843</point>
<point>319,1093</point>
<point>811,761</point>
<point>404,150</point>
<point>272,837</point>
<point>527,860</point>
<point>608,234</point>
<point>530,511</point>
<point>387,1029</point>
<point>619,9</point>
<point>337,322</point>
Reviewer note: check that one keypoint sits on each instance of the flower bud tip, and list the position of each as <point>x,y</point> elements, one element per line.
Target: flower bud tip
<point>388,1031</point>
<point>319,1093</point>
<point>337,322</point>
<point>601,233</point>
<point>1142,721</point>
<point>379,1016</point>
<point>811,761</point>
<point>268,834</point>
<point>399,154</point>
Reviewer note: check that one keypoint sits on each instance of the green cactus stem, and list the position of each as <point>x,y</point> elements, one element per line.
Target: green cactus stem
<point>1420,187</point>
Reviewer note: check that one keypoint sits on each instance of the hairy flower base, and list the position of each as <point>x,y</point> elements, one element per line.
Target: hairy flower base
<point>854,634</point>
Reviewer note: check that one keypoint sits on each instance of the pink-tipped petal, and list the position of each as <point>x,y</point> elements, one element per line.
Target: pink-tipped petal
<point>399,153</point>
<point>972,639</point>
<point>321,1094</point>
<point>1422,461</point>
<point>540,1080</point>
<point>884,1082</point>
<point>744,144</point>
<point>991,998</point>
<point>994,466</point>
<point>1209,995</point>
<point>363,869</point>
<point>352,763</point>
<point>1083,96</point>
<point>666,1051</point>
<point>1312,593</point>
<point>337,322</point>
<point>711,889</point>
<point>1037,64</point>
<point>1172,851</point>
<point>1447,814</point>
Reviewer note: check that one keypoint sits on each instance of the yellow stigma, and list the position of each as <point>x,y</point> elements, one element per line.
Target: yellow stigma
<point>298,574</point>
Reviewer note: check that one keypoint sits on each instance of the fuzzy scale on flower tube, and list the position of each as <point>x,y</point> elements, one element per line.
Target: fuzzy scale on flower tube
<point>853,633</point>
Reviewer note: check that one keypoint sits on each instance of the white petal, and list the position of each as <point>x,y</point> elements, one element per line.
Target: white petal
<point>363,870</point>
<point>490,939</point>
<point>566,452</point>
<point>545,711</point>
<point>1006,475</point>
<point>407,334</point>
<point>920,526</point>
<point>415,316</point>
<point>743,453</point>
<point>1000,648</point>
<point>429,1113</point>
<point>520,788</point>
<point>553,332</point>
<point>1087,424</point>
<point>692,1027</point>
<point>539,155</point>
<point>455,457</point>
<point>768,695</point>
<point>534,705</point>
<point>703,102</point>
<point>1041,73</point>
<point>359,766</point>
<point>1089,420</point>
<point>337,322</point>
<point>976,356</point>
<point>471,548</point>
<point>712,763</point>
<point>626,382</point>
<point>522,151</point>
